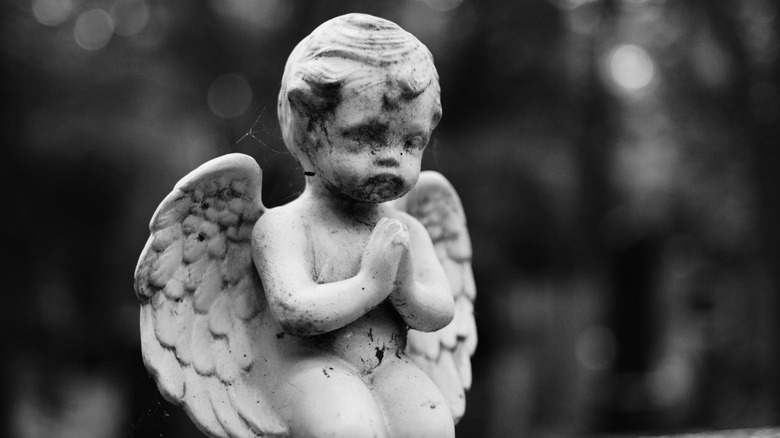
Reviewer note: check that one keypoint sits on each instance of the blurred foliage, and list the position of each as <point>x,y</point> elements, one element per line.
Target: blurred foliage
<point>617,160</point>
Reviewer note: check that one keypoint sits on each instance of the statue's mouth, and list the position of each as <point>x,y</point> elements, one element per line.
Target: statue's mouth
<point>384,187</point>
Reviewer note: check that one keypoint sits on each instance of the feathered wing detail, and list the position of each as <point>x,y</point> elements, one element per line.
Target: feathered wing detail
<point>445,355</point>
<point>202,300</point>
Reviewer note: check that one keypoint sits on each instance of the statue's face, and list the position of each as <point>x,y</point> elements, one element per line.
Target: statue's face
<point>371,147</point>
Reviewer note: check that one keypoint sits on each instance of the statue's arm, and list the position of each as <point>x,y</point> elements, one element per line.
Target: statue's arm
<point>424,299</point>
<point>282,254</point>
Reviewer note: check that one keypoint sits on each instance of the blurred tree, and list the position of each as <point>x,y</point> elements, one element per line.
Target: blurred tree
<point>616,159</point>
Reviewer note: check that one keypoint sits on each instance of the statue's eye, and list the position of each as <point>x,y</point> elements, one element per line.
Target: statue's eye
<point>369,132</point>
<point>416,142</point>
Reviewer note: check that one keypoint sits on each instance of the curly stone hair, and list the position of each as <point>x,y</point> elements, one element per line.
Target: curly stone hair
<point>355,50</point>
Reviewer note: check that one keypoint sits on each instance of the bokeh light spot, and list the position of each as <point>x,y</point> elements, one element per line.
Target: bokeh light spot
<point>130,17</point>
<point>443,5</point>
<point>51,12</point>
<point>596,348</point>
<point>712,64</point>
<point>570,4</point>
<point>266,15</point>
<point>672,382</point>
<point>631,67</point>
<point>93,29</point>
<point>229,96</point>
<point>584,20</point>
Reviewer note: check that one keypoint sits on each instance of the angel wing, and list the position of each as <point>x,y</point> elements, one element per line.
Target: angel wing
<point>445,355</point>
<point>202,300</point>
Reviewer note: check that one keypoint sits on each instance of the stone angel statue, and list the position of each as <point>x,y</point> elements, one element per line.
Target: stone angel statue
<point>347,312</point>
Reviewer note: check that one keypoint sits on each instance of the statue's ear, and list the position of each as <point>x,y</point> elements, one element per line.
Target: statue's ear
<point>310,99</point>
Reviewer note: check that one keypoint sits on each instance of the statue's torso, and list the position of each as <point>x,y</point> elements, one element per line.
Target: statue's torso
<point>336,252</point>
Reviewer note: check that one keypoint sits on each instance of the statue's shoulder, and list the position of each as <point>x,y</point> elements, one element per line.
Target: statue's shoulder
<point>282,224</point>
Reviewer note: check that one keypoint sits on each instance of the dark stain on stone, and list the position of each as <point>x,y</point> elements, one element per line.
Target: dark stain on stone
<point>372,131</point>
<point>388,103</point>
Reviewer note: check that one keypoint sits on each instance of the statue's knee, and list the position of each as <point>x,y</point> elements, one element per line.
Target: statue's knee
<point>438,422</point>
<point>336,403</point>
<point>341,420</point>
<point>351,427</point>
<point>422,412</point>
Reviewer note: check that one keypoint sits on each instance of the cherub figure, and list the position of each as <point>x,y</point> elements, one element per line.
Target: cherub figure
<point>341,313</point>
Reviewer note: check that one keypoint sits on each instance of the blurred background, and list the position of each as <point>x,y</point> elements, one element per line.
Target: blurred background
<point>617,160</point>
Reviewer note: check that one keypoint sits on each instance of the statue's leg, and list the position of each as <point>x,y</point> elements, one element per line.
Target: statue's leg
<point>412,404</point>
<point>324,397</point>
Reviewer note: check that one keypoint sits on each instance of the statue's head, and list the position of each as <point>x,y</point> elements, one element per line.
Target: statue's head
<point>358,103</point>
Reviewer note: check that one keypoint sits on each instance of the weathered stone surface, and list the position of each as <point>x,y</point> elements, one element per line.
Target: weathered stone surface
<point>338,314</point>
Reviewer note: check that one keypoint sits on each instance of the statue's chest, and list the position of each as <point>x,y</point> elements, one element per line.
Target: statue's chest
<point>337,254</point>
